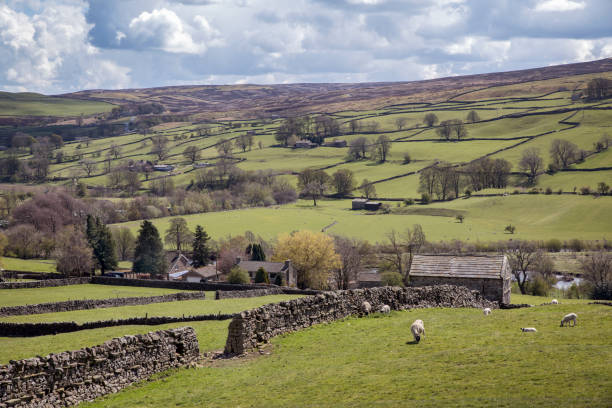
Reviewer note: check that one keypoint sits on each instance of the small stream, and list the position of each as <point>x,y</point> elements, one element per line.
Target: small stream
<point>564,284</point>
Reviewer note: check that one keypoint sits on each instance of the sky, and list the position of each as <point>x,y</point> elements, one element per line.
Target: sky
<point>60,46</point>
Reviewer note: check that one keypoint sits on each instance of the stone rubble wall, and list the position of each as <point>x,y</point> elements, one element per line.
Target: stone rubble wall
<point>47,283</point>
<point>254,326</point>
<point>233,294</point>
<point>182,285</point>
<point>10,329</point>
<point>86,304</point>
<point>71,377</point>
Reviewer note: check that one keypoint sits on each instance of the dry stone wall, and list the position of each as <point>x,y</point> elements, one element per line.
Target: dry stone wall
<point>259,325</point>
<point>47,283</point>
<point>155,283</point>
<point>71,377</point>
<point>96,304</point>
<point>9,329</point>
<point>233,294</point>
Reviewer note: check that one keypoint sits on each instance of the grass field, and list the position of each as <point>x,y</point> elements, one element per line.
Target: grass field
<point>465,359</point>
<point>27,265</point>
<point>32,104</point>
<point>550,216</point>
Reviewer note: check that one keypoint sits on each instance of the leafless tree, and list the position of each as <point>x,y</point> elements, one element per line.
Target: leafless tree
<point>563,152</point>
<point>401,248</point>
<point>400,123</point>
<point>473,116</point>
<point>343,181</point>
<point>160,147</point>
<point>115,151</point>
<point>531,162</point>
<point>224,147</point>
<point>383,146</point>
<point>124,242</point>
<point>192,153</point>
<point>73,254</point>
<point>352,253</point>
<point>358,148</point>
<point>523,256</point>
<point>88,166</point>
<point>430,119</point>
<point>597,270</point>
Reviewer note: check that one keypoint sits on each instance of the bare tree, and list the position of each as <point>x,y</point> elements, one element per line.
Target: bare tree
<point>402,247</point>
<point>192,153</point>
<point>125,242</point>
<point>358,148</point>
<point>599,88</point>
<point>160,147</point>
<point>400,123</point>
<point>343,181</point>
<point>430,119</point>
<point>313,183</point>
<point>224,147</point>
<point>354,126</point>
<point>178,234</point>
<point>473,116</point>
<point>368,189</point>
<point>73,254</point>
<point>115,151</point>
<point>523,256</point>
<point>445,131</point>
<point>383,146</point>
<point>531,162</point>
<point>352,253</point>
<point>597,270</point>
<point>89,166</point>
<point>563,152</point>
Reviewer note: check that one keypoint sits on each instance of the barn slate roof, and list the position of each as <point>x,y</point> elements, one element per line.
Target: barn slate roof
<point>448,266</point>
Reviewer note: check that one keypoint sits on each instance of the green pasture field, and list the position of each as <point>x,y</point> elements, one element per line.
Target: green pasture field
<point>27,265</point>
<point>567,180</point>
<point>548,216</point>
<point>465,359</point>
<point>15,297</point>
<point>32,104</point>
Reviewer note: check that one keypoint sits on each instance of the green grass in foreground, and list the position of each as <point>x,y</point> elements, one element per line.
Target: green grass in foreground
<point>27,265</point>
<point>466,359</point>
<point>14,297</point>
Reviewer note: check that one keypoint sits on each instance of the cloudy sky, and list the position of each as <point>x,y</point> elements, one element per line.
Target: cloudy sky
<point>56,46</point>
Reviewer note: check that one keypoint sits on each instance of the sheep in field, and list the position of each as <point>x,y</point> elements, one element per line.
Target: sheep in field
<point>418,329</point>
<point>366,307</point>
<point>528,329</point>
<point>385,309</point>
<point>486,311</point>
<point>569,318</point>
<point>554,302</point>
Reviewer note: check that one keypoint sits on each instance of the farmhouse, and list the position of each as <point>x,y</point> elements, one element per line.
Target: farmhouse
<point>488,274</point>
<point>273,268</point>
<point>304,144</point>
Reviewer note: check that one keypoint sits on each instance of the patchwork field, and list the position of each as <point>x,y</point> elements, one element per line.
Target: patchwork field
<point>32,104</point>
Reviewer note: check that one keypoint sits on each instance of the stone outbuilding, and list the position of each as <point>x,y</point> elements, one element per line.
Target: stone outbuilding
<point>489,274</point>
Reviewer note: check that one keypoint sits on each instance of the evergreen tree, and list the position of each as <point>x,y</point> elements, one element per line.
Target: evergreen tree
<point>261,276</point>
<point>149,255</point>
<point>201,251</point>
<point>278,281</point>
<point>101,242</point>
<point>257,253</point>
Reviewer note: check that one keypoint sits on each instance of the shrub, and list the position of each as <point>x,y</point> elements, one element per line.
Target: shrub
<point>553,245</point>
<point>552,168</point>
<point>279,281</point>
<point>406,158</point>
<point>548,191</point>
<point>468,192</point>
<point>261,276</point>
<point>538,286</point>
<point>510,228</point>
<point>560,192</point>
<point>534,191</point>
<point>391,279</point>
<point>585,190</point>
<point>576,245</point>
<point>385,209</point>
<point>516,192</point>
<point>238,275</point>
<point>425,198</point>
<point>460,218</point>
<point>408,201</point>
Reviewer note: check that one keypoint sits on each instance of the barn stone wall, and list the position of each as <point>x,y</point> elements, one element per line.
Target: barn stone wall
<point>494,290</point>
<point>69,305</point>
<point>71,377</point>
<point>259,325</point>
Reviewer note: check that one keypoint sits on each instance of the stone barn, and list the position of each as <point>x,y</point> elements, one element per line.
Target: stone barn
<point>488,274</point>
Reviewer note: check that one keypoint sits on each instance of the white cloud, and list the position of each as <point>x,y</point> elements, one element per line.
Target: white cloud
<point>164,30</point>
<point>559,5</point>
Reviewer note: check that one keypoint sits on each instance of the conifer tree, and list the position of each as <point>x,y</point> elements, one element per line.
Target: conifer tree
<point>257,253</point>
<point>101,242</point>
<point>201,251</point>
<point>149,255</point>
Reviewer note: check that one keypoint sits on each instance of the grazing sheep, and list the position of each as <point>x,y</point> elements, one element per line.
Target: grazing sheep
<point>554,302</point>
<point>418,329</point>
<point>528,329</point>
<point>366,307</point>
<point>569,318</point>
<point>486,311</point>
<point>385,309</point>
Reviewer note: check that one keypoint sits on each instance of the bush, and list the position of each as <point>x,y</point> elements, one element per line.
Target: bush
<point>261,276</point>
<point>585,190</point>
<point>468,193</point>
<point>460,218</point>
<point>552,168</point>
<point>538,286</point>
<point>406,158</point>
<point>279,281</point>
<point>548,191</point>
<point>576,245</point>
<point>238,276</point>
<point>510,228</point>
<point>408,201</point>
<point>534,191</point>
<point>425,198</point>
<point>553,245</point>
<point>560,192</point>
<point>391,279</point>
<point>516,192</point>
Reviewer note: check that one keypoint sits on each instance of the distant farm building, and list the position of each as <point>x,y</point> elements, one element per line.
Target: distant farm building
<point>372,205</point>
<point>490,275</point>
<point>201,165</point>
<point>285,269</point>
<point>359,203</point>
<point>304,144</point>
<point>163,167</point>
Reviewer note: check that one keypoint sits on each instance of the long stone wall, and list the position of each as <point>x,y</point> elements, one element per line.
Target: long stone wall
<point>71,377</point>
<point>153,283</point>
<point>47,283</point>
<point>233,294</point>
<point>9,329</point>
<point>259,325</point>
<point>69,305</point>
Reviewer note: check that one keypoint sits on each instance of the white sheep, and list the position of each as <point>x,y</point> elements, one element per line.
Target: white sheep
<point>554,302</point>
<point>528,329</point>
<point>385,309</point>
<point>366,307</point>
<point>569,318</point>
<point>486,311</point>
<point>418,329</point>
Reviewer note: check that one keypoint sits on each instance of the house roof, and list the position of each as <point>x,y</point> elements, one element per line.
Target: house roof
<point>270,267</point>
<point>207,271</point>
<point>483,267</point>
<point>178,274</point>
